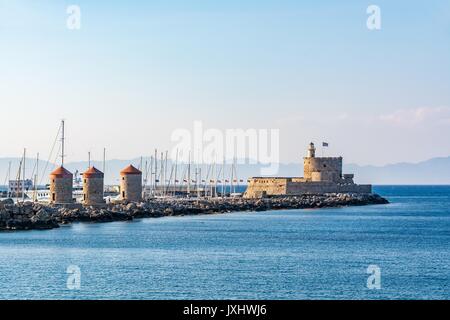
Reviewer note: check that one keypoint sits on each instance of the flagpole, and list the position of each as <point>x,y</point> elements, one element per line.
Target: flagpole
<point>324,145</point>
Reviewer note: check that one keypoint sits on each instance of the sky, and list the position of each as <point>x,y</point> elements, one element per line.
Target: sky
<point>136,71</point>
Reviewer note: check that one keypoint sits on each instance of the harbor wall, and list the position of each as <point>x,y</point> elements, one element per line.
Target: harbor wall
<point>262,187</point>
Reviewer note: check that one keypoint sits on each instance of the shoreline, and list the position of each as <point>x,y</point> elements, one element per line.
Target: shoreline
<point>35,216</point>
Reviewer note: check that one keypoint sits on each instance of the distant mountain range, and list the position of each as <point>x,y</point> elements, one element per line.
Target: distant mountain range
<point>433,171</point>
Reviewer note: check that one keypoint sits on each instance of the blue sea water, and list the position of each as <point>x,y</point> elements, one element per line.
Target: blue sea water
<point>297,254</point>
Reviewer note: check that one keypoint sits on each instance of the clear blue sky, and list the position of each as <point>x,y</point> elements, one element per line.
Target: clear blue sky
<point>137,70</point>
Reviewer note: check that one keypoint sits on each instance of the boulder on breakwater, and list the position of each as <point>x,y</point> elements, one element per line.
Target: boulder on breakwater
<point>30,215</point>
<point>26,216</point>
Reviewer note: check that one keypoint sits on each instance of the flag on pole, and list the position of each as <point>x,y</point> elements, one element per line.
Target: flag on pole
<point>324,144</point>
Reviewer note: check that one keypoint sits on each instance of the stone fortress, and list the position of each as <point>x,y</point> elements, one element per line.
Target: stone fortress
<point>321,175</point>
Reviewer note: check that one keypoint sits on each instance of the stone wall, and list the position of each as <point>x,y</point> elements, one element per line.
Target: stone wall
<point>61,190</point>
<point>131,187</point>
<point>322,169</point>
<point>294,188</point>
<point>93,191</point>
<point>262,187</point>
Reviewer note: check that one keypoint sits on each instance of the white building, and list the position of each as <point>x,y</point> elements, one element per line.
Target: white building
<point>15,187</point>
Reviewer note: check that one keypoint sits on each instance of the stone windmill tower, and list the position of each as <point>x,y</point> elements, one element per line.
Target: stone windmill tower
<point>93,181</point>
<point>61,186</point>
<point>131,184</point>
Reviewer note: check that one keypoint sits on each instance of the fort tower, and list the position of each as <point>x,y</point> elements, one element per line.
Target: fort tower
<point>320,175</point>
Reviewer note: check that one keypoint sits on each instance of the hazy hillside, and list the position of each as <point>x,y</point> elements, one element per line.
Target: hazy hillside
<point>433,171</point>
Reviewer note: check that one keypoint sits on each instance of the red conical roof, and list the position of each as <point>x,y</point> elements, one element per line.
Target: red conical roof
<point>130,170</point>
<point>61,172</point>
<point>93,172</point>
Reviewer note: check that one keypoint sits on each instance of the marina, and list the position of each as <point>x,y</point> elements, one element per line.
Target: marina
<point>154,190</point>
<point>158,177</point>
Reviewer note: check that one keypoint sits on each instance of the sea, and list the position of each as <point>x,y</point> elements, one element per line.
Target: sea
<point>396,251</point>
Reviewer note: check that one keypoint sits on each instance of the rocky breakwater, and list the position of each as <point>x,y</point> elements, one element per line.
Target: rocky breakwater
<point>37,216</point>
<point>25,216</point>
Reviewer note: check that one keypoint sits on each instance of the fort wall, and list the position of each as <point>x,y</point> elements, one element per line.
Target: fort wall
<point>321,175</point>
<point>264,187</point>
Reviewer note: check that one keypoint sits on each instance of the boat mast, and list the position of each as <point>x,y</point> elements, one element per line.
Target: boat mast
<point>216,177</point>
<point>35,178</point>
<point>232,177</point>
<point>8,177</point>
<point>169,181</point>
<point>18,176</point>
<point>207,180</point>
<point>152,190</point>
<point>104,168</point>
<point>236,179</point>
<point>196,174</point>
<point>235,174</point>
<point>145,172</point>
<point>145,179</point>
<point>165,175</point>
<point>62,143</point>
<point>175,178</point>
<point>161,173</point>
<point>223,178</point>
<point>23,179</point>
<point>211,181</point>
<point>189,175</point>
<point>156,171</point>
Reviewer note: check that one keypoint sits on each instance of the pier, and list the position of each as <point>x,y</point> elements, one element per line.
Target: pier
<point>28,215</point>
